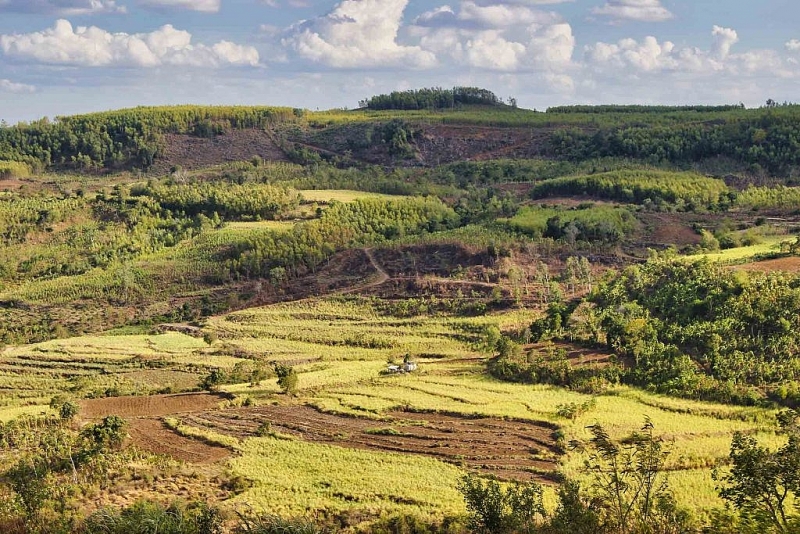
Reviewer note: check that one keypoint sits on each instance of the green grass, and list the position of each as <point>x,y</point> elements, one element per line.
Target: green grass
<point>275,226</point>
<point>339,195</point>
<point>770,245</point>
<point>294,477</point>
<point>339,347</point>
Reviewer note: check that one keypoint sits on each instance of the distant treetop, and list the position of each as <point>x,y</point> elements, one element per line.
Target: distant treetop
<point>643,109</point>
<point>434,98</point>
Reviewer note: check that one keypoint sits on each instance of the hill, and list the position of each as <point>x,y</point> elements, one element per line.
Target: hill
<point>216,305</point>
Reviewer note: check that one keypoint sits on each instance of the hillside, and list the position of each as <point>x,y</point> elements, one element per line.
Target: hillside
<point>206,314</point>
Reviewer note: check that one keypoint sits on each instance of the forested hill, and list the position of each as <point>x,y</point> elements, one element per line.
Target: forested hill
<point>417,128</point>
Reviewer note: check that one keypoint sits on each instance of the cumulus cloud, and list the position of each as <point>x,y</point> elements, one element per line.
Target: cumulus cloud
<point>67,8</point>
<point>7,86</point>
<point>793,45</point>
<point>639,10</point>
<point>502,37</point>
<point>474,15</point>
<point>356,34</point>
<point>205,6</point>
<point>629,56</point>
<point>94,47</point>
<point>724,39</point>
<point>290,3</point>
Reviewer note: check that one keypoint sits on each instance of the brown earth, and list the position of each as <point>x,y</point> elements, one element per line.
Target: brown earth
<point>577,355</point>
<point>190,152</point>
<point>153,436</point>
<point>151,406</point>
<point>790,264</point>
<point>510,450</point>
<point>148,432</point>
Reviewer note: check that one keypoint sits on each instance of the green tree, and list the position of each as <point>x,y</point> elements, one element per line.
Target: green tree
<point>287,378</point>
<point>762,483</point>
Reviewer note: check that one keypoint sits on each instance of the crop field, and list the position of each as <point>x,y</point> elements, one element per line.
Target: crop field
<point>277,226</point>
<point>99,365</point>
<point>770,245</point>
<point>411,436</point>
<point>339,195</point>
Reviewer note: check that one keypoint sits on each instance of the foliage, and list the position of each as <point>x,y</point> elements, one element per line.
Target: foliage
<point>651,187</point>
<point>287,378</point>
<point>764,484</point>
<point>628,478</point>
<point>678,320</point>
<point>588,223</point>
<point>273,524</point>
<point>494,509</point>
<point>764,139</point>
<point>227,201</point>
<point>147,517</point>
<point>434,98</point>
<point>131,137</point>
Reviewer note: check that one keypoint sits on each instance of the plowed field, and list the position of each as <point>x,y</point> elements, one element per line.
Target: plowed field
<point>791,264</point>
<point>511,450</point>
<point>152,406</point>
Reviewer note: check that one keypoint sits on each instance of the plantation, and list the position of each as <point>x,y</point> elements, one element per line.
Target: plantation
<point>437,313</point>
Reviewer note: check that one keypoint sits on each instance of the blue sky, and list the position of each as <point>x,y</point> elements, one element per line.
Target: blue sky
<point>60,57</point>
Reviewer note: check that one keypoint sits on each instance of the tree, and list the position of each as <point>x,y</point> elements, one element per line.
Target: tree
<point>494,510</point>
<point>287,378</point>
<point>762,483</point>
<point>627,477</point>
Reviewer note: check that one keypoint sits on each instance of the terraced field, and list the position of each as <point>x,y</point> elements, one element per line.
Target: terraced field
<point>510,450</point>
<point>103,365</point>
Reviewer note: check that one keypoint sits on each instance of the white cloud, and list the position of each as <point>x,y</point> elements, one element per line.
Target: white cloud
<point>290,3</point>
<point>499,16</point>
<point>489,50</point>
<point>95,47</point>
<point>358,34</point>
<point>7,86</point>
<point>793,45</point>
<point>67,8</point>
<point>474,15</point>
<point>205,6</point>
<point>724,39</point>
<point>629,57</point>
<point>639,10</point>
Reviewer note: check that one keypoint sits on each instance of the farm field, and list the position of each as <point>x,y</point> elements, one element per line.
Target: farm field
<point>770,245</point>
<point>449,416</point>
<point>339,195</point>
<point>375,319</point>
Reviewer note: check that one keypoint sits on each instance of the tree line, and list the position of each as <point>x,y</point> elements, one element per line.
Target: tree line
<point>433,98</point>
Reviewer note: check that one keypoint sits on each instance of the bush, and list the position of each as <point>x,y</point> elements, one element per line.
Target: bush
<point>287,378</point>
<point>494,510</point>
<point>273,524</point>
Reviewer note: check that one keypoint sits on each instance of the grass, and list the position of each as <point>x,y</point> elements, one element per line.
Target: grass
<point>95,365</point>
<point>294,477</point>
<point>339,346</point>
<point>339,195</point>
<point>275,226</point>
<point>770,245</point>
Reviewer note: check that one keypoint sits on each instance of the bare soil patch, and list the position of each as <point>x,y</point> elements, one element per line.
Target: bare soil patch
<point>152,436</point>
<point>151,406</point>
<point>510,450</point>
<point>790,264</point>
<point>190,152</point>
<point>577,355</point>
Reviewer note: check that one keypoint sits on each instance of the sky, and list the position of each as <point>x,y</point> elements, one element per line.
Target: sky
<point>61,57</point>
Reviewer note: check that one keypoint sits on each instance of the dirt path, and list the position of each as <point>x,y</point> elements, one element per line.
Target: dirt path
<point>510,450</point>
